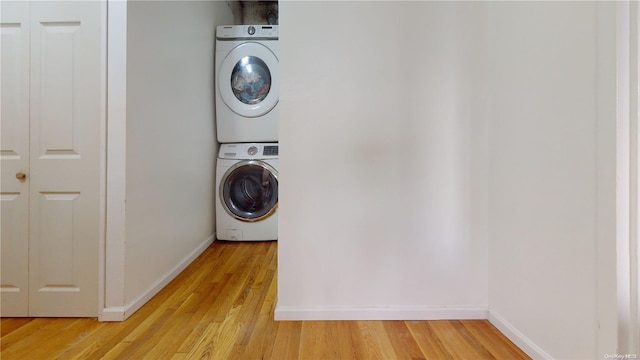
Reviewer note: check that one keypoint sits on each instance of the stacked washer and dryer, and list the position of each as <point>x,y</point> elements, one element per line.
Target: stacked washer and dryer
<point>247,129</point>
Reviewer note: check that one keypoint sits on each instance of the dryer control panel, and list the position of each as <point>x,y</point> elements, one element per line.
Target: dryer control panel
<point>235,32</point>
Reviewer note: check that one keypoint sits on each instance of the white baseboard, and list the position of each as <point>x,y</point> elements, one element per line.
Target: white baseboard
<point>381,313</point>
<point>523,342</point>
<point>122,313</point>
<point>112,314</point>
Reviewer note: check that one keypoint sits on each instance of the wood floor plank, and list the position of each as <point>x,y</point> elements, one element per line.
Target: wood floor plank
<point>494,341</point>
<point>7,326</point>
<point>351,344</point>
<point>217,342</point>
<point>204,346</point>
<point>20,343</point>
<point>257,346</point>
<point>194,335</point>
<point>377,340</point>
<point>271,294</point>
<point>475,346</point>
<point>174,336</point>
<point>96,344</point>
<point>221,307</point>
<point>458,343</point>
<point>147,341</point>
<point>287,342</point>
<point>318,341</point>
<point>430,344</point>
<point>404,344</point>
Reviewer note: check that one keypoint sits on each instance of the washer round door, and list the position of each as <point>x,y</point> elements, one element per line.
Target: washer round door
<point>249,190</point>
<point>248,80</point>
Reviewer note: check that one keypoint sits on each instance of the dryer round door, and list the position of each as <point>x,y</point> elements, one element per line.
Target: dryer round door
<point>248,79</point>
<point>249,190</point>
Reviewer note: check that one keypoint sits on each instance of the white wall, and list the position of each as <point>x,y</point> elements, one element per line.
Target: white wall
<point>378,217</point>
<point>544,176</point>
<point>441,158</point>
<point>171,148</point>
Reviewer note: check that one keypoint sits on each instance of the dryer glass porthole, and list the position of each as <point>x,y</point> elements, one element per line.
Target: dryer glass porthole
<point>250,80</point>
<point>250,192</point>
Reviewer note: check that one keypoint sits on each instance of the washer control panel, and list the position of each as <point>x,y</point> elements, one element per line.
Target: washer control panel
<point>248,151</point>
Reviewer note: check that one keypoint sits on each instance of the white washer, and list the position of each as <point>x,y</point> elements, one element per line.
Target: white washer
<point>247,83</point>
<point>247,188</point>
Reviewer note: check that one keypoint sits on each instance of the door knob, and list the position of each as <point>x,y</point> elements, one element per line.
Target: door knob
<point>21,176</point>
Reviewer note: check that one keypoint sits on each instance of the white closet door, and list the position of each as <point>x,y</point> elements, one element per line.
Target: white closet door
<point>66,108</point>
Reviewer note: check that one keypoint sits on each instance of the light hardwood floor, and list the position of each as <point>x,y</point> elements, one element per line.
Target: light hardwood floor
<point>221,307</point>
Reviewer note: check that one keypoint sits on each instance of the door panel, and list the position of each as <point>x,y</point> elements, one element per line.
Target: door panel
<point>55,86</point>
<point>66,110</point>
<point>56,232</point>
<point>14,158</point>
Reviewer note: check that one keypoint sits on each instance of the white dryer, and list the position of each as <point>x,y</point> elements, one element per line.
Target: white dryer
<point>247,83</point>
<point>247,184</point>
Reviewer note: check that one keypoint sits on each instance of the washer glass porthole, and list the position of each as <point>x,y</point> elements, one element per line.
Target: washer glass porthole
<point>250,80</point>
<point>250,191</point>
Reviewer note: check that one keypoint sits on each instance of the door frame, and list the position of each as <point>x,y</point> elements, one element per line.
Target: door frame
<point>626,251</point>
<point>112,296</point>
